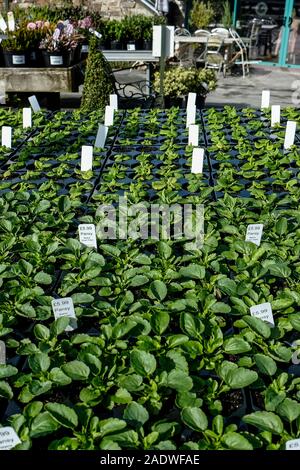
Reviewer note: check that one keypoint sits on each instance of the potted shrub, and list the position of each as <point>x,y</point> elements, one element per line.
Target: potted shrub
<point>179,81</point>
<point>98,82</point>
<point>201,15</point>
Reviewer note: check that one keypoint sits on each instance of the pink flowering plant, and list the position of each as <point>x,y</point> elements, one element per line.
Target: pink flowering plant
<point>64,38</point>
<point>27,36</point>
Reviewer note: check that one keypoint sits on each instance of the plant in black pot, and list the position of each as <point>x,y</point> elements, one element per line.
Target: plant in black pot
<point>19,46</point>
<point>60,47</point>
<point>179,81</point>
<point>84,27</point>
<point>133,31</point>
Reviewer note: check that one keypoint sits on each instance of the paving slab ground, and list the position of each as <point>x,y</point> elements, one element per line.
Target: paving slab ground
<point>283,83</point>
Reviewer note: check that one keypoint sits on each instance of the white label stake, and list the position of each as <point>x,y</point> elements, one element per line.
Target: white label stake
<point>197,160</point>
<point>87,235</point>
<point>290,134</point>
<point>254,233</point>
<point>3,25</point>
<point>11,21</point>
<point>6,136</point>
<point>190,115</point>
<point>113,101</point>
<point>101,136</point>
<point>194,135</point>
<point>263,312</point>
<point>265,99</point>
<point>65,308</point>
<point>109,116</point>
<point>275,115</point>
<point>34,104</point>
<point>191,99</point>
<point>2,353</point>
<point>27,117</point>
<point>293,444</point>
<point>8,438</point>
<point>86,158</point>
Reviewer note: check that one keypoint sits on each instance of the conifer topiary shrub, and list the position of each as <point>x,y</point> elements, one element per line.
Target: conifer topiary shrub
<point>99,80</point>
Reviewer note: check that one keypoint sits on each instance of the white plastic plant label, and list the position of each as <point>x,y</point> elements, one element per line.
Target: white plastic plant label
<point>109,116</point>
<point>3,25</point>
<point>264,312</point>
<point>290,134</point>
<point>194,135</point>
<point>113,101</point>
<point>6,136</point>
<point>86,158</point>
<point>265,99</point>
<point>65,308</point>
<point>254,233</point>
<point>27,117</point>
<point>101,136</point>
<point>296,354</point>
<point>275,114</point>
<point>190,115</point>
<point>8,438</point>
<point>294,444</point>
<point>34,103</point>
<point>2,353</point>
<point>18,60</point>
<point>197,160</point>
<point>56,60</point>
<point>191,101</point>
<point>131,47</point>
<point>11,21</point>
<point>87,235</point>
<point>84,48</point>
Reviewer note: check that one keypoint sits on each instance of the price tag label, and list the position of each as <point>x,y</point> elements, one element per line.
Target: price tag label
<point>290,132</point>
<point>264,312</point>
<point>113,101</point>
<point>109,116</point>
<point>34,104</point>
<point>194,135</point>
<point>27,117</point>
<point>197,161</point>
<point>254,233</point>
<point>56,60</point>
<point>8,438</point>
<point>87,235</point>
<point>101,136</point>
<point>275,115</point>
<point>11,21</point>
<point>265,99</point>
<point>131,47</point>
<point>86,158</point>
<point>6,136</point>
<point>191,99</point>
<point>190,115</point>
<point>294,444</point>
<point>2,353</point>
<point>65,308</point>
<point>3,25</point>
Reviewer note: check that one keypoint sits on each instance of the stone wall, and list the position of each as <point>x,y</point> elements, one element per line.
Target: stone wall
<point>107,8</point>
